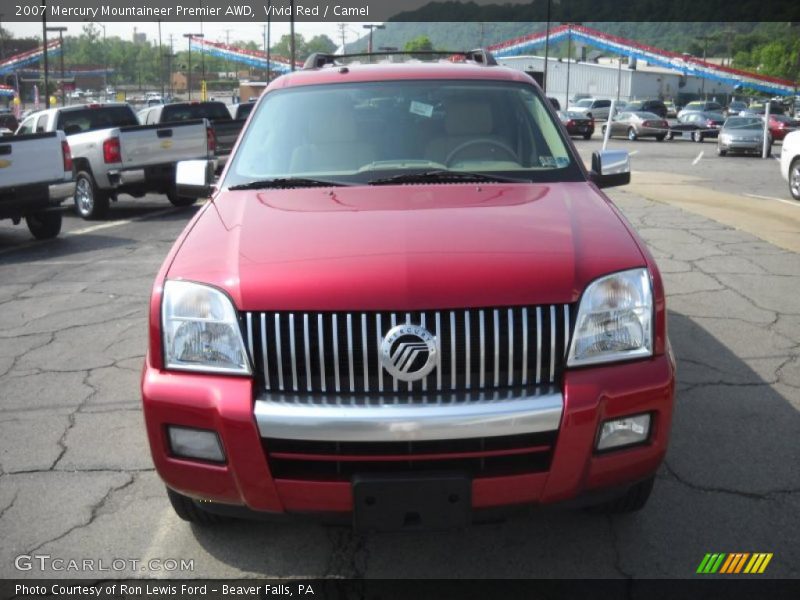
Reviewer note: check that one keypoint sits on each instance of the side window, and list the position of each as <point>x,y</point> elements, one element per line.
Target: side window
<point>26,127</point>
<point>41,124</point>
<point>603,104</point>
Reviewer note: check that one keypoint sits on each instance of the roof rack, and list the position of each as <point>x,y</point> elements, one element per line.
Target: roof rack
<point>479,56</point>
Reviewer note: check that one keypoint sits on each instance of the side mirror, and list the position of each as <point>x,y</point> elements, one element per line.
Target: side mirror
<point>194,178</point>
<point>611,168</point>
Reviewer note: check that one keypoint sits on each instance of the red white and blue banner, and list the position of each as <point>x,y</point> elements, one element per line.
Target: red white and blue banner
<point>683,63</point>
<point>7,91</point>
<point>253,58</point>
<point>24,59</point>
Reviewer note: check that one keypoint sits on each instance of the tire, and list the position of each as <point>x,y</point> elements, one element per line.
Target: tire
<point>90,201</point>
<point>180,201</point>
<point>632,134</point>
<point>44,225</point>
<point>587,136</point>
<point>670,136</point>
<point>697,137</point>
<point>721,152</point>
<point>794,179</point>
<point>660,138</point>
<point>187,509</point>
<point>769,151</point>
<point>634,499</point>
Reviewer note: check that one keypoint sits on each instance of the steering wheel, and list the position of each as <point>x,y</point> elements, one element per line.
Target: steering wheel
<point>490,142</point>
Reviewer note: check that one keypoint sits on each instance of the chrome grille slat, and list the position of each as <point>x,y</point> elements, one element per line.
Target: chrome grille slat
<point>518,346</point>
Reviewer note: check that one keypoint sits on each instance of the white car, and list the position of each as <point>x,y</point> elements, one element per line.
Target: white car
<point>592,107</point>
<point>790,163</point>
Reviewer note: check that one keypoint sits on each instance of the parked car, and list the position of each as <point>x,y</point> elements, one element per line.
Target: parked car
<point>361,286</point>
<point>36,177</point>
<point>790,163</point>
<point>554,103</point>
<point>577,123</point>
<point>759,108</point>
<point>735,107</point>
<point>591,107</point>
<point>672,110</point>
<point>781,125</point>
<point>113,154</point>
<point>657,107</point>
<point>225,130</point>
<point>696,126</point>
<point>635,125</point>
<point>743,134</point>
<point>701,106</point>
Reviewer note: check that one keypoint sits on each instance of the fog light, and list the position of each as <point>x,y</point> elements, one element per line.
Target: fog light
<point>624,432</point>
<point>195,443</point>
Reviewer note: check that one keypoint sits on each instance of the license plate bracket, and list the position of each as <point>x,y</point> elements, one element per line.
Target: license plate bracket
<point>406,502</point>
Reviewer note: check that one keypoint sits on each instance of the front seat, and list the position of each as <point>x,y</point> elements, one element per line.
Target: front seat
<point>466,121</point>
<point>332,142</point>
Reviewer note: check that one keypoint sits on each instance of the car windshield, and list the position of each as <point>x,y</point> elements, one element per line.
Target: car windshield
<point>359,132</point>
<point>584,103</point>
<point>744,123</point>
<point>646,115</point>
<point>573,115</point>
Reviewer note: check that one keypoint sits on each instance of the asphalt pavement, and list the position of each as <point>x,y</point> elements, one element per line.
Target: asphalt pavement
<point>77,481</point>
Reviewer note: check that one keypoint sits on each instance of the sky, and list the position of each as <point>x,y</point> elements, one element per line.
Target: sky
<point>215,32</point>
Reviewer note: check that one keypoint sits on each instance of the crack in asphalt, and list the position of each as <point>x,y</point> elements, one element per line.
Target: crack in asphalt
<point>93,514</point>
<point>768,495</point>
<point>616,549</point>
<point>349,554</point>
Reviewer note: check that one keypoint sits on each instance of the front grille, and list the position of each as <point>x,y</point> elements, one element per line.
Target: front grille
<point>479,457</point>
<point>337,352</point>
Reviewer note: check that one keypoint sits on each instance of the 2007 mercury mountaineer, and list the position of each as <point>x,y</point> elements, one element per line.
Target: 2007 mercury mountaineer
<point>407,303</point>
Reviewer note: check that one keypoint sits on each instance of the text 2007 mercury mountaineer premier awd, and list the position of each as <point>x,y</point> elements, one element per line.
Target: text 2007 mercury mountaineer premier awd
<point>407,303</point>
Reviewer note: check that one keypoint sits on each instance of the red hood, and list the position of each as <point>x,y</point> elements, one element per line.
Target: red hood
<point>406,247</point>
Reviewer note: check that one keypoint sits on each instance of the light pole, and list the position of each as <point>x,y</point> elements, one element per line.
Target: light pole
<point>267,40</point>
<point>569,58</point>
<point>60,31</point>
<point>291,32</point>
<point>160,62</point>
<point>189,37</point>
<point>546,48</point>
<point>2,42</point>
<point>105,60</point>
<point>371,28</point>
<point>44,49</point>
<point>705,39</point>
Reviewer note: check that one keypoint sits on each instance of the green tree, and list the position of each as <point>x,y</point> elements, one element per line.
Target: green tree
<point>320,43</point>
<point>420,43</point>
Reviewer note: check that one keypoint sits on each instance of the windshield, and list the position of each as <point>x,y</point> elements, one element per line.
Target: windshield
<point>356,133</point>
<point>744,123</point>
<point>584,103</point>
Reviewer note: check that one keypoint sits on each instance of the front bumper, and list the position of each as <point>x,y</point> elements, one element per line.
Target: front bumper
<point>590,396</point>
<point>741,146</point>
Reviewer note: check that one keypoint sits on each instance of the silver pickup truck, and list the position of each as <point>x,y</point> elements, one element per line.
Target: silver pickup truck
<point>113,154</point>
<point>36,176</point>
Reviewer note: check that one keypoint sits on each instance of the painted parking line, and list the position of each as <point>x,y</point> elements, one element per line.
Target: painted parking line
<point>632,153</point>
<point>699,157</point>
<point>784,200</point>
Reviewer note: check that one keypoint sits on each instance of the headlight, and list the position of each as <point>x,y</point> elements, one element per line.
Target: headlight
<point>615,320</point>
<point>725,138</point>
<point>200,330</point>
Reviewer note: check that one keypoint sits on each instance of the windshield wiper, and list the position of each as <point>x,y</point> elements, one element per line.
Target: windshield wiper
<point>286,183</point>
<point>444,176</point>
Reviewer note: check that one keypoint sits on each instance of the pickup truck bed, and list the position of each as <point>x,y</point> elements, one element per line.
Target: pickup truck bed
<point>36,176</point>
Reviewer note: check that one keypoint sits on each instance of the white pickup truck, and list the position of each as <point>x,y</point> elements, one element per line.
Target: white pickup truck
<point>36,176</point>
<point>790,162</point>
<point>113,154</point>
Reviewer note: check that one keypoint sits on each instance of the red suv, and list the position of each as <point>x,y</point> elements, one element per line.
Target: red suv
<point>407,303</point>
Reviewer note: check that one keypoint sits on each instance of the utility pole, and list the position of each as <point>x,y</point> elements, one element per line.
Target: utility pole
<point>546,48</point>
<point>343,32</point>
<point>202,51</point>
<point>60,31</point>
<point>291,33</point>
<point>44,48</point>
<point>569,59</point>
<point>105,59</point>
<point>372,28</point>
<point>169,64</point>
<point>189,37</point>
<point>227,60</point>
<point>705,39</point>
<point>2,42</point>
<point>160,62</point>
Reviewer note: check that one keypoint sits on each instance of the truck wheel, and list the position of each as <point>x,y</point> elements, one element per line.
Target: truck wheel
<point>90,202</point>
<point>794,179</point>
<point>44,225</point>
<point>634,499</point>
<point>187,509</point>
<point>176,200</point>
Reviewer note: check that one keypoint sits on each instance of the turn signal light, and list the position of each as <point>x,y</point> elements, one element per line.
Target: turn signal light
<point>111,151</point>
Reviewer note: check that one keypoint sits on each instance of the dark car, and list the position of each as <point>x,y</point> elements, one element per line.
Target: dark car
<point>697,126</point>
<point>656,107</point>
<point>735,107</point>
<point>577,123</point>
